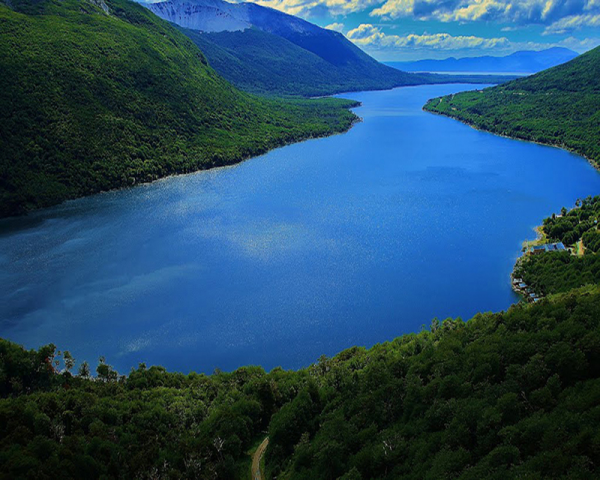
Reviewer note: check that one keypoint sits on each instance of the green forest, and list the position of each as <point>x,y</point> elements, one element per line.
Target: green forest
<point>559,106</point>
<point>507,395</point>
<point>104,95</point>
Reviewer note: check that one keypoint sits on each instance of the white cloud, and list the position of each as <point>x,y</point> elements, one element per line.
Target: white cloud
<point>308,8</point>
<point>579,45</point>
<point>520,12</point>
<point>573,22</point>
<point>338,27</point>
<point>368,35</point>
<point>441,45</point>
<point>559,16</point>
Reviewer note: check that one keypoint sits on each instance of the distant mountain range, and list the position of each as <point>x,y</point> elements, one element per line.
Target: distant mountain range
<point>262,50</point>
<point>518,62</point>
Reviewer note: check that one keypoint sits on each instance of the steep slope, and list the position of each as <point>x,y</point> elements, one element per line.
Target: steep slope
<point>261,62</point>
<point>559,106</point>
<point>103,94</point>
<point>518,62</point>
<point>266,51</point>
<point>208,15</point>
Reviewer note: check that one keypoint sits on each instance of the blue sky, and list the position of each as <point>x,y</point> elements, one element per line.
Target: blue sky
<point>413,29</point>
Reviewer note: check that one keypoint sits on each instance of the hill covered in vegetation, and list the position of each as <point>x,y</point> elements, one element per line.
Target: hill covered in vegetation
<point>263,63</point>
<point>507,395</point>
<point>102,94</point>
<point>559,106</point>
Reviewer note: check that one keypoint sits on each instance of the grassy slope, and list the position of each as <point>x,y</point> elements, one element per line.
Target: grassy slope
<point>263,63</point>
<point>92,102</point>
<point>507,395</point>
<point>559,106</point>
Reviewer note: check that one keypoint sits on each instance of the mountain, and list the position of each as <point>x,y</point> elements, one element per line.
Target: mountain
<point>559,106</point>
<point>264,63</point>
<point>102,94</point>
<point>209,16</point>
<point>518,62</point>
<point>265,51</point>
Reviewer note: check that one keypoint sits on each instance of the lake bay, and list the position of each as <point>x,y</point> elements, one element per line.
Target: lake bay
<point>310,249</point>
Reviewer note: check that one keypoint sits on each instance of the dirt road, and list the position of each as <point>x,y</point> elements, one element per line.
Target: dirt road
<point>260,451</point>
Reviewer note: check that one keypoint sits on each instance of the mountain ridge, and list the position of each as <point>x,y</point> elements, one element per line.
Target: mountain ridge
<point>268,52</point>
<point>524,61</point>
<point>251,45</point>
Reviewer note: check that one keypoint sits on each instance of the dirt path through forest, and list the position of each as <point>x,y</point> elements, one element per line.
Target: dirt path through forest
<point>256,458</point>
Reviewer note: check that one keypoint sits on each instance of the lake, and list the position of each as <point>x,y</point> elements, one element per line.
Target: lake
<point>310,249</point>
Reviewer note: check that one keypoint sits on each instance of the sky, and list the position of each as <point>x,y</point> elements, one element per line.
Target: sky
<point>402,30</point>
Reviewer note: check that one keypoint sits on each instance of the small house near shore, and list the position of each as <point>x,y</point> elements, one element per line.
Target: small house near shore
<point>548,247</point>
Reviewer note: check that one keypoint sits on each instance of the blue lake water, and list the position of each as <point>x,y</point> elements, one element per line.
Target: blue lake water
<point>310,249</point>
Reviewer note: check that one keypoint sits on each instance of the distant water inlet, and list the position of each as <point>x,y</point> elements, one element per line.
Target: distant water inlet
<point>308,250</point>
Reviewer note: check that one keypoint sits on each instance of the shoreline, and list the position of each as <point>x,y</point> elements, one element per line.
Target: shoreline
<point>522,291</point>
<point>540,235</point>
<point>593,163</point>
<point>356,120</point>
<point>457,81</point>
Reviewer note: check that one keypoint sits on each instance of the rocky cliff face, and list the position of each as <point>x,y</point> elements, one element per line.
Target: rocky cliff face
<point>220,16</point>
<point>212,16</point>
<point>203,15</point>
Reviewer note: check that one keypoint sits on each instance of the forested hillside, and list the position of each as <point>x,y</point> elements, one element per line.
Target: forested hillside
<point>266,64</point>
<point>101,94</point>
<point>559,106</point>
<point>507,395</point>
<point>268,52</point>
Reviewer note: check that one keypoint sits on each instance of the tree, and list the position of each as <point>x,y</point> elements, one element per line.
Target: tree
<point>84,370</point>
<point>106,372</point>
<point>69,360</point>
